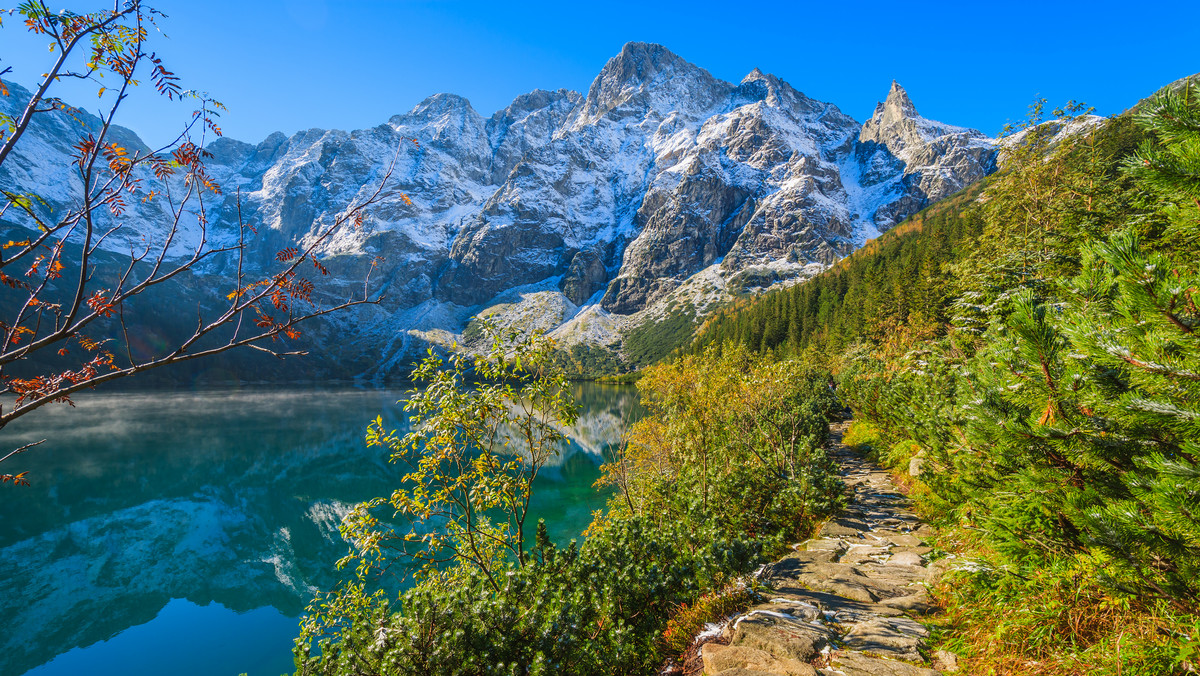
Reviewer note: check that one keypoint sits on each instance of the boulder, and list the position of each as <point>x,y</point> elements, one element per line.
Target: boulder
<point>916,465</point>
<point>946,661</point>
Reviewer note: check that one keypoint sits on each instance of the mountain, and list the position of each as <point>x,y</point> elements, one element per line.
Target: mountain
<point>935,160</point>
<point>663,190</point>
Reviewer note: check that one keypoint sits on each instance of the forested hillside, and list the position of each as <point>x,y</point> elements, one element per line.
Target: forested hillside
<point>1028,352</point>
<point>912,277</point>
<point>900,278</point>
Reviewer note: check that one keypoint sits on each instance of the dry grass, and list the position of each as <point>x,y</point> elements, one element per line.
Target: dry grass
<point>1059,622</point>
<point>689,620</point>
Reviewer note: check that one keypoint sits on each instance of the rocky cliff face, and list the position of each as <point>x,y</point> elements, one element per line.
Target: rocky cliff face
<point>662,185</point>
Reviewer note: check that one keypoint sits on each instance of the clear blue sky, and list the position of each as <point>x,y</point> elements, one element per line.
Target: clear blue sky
<point>293,64</point>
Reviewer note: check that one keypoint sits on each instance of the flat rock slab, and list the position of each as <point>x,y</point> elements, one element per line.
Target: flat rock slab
<point>854,589</point>
<point>827,544</point>
<point>835,529</point>
<point>832,604</point>
<point>919,551</point>
<point>731,660</point>
<point>898,637</point>
<point>842,579</point>
<point>894,574</point>
<point>874,516</point>
<point>795,567</point>
<point>906,559</point>
<point>781,636</point>
<point>906,540</point>
<point>803,612</point>
<point>816,556</point>
<point>916,604</point>
<point>864,553</point>
<point>845,663</point>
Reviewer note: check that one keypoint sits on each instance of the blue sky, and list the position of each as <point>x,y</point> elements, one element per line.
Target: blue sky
<point>296,64</point>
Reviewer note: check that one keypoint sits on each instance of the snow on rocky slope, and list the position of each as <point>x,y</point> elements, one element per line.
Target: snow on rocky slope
<point>663,186</point>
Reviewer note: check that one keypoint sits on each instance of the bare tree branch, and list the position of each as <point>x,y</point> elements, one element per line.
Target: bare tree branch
<point>90,311</point>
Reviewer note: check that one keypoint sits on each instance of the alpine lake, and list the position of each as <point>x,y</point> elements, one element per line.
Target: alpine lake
<point>186,532</point>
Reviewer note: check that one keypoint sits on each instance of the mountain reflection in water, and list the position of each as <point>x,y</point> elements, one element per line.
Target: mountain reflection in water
<point>219,496</point>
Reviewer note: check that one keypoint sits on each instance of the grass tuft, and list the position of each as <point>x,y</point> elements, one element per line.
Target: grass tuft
<point>690,619</point>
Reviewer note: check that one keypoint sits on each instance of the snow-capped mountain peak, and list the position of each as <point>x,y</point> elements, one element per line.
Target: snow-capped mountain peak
<point>646,79</point>
<point>663,187</point>
<point>934,159</point>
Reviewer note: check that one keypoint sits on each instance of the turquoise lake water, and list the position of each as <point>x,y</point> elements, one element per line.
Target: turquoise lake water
<point>184,532</point>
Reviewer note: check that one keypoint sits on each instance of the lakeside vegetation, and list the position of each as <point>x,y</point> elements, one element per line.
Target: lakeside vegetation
<point>728,467</point>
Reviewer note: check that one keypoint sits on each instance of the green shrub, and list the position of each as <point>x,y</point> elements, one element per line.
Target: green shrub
<point>733,439</point>
<point>599,608</point>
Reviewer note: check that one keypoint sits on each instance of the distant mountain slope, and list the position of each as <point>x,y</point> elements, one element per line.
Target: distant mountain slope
<point>898,280</point>
<point>905,280</point>
<point>662,188</point>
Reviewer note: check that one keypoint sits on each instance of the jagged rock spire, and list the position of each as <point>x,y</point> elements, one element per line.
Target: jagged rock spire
<point>755,74</point>
<point>898,100</point>
<point>896,135</point>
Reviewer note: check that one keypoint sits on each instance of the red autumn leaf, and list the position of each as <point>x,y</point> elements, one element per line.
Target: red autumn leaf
<point>100,304</point>
<point>279,300</point>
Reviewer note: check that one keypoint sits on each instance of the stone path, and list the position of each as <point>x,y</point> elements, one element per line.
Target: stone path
<point>846,603</point>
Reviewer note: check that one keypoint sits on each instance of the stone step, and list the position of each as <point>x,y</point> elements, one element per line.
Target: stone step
<point>846,663</point>
<point>735,660</point>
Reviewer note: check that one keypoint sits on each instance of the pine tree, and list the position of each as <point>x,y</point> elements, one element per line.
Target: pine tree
<point>1139,324</point>
<point>1087,418</point>
<point>1170,167</point>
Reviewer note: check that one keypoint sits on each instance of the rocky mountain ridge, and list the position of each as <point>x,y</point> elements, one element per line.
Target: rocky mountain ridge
<point>662,190</point>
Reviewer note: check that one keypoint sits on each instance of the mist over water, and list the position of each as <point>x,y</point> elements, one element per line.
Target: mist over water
<point>186,532</point>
